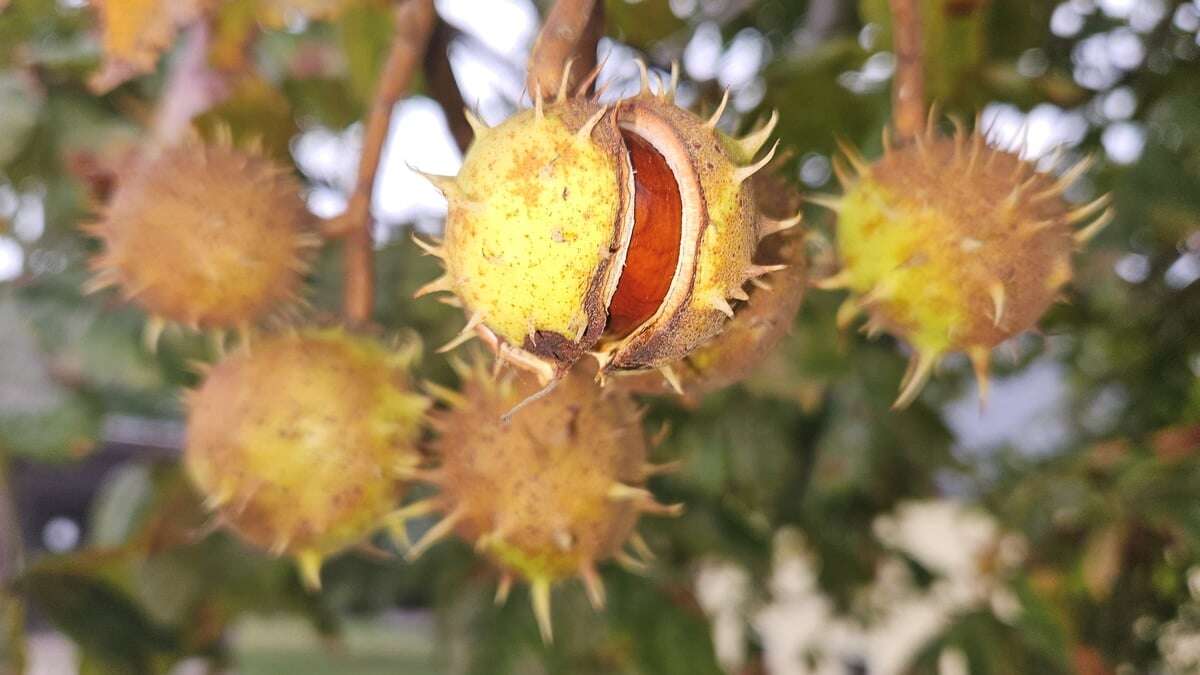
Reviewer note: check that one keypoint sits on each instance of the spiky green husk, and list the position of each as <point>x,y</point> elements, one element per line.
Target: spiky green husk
<point>300,444</point>
<point>540,223</point>
<point>954,246</point>
<point>205,236</point>
<point>721,229</point>
<point>550,493</point>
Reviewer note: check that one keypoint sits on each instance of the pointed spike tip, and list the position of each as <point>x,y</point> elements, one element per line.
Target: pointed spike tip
<point>998,295</point>
<point>467,333</point>
<point>847,312</point>
<point>831,202</point>
<point>539,595</point>
<point>447,185</point>
<point>433,535</point>
<point>770,226</point>
<point>593,584</point>
<point>1085,235</point>
<point>504,588</point>
<point>754,141</point>
<point>428,248</point>
<point>672,378</point>
<point>566,79</point>
<point>644,74</point>
<point>920,368</point>
<point>585,131</point>
<point>308,563</point>
<point>719,303</point>
<point>477,125</point>
<point>620,492</point>
<point>742,174</point>
<point>152,333</point>
<point>840,280</point>
<point>716,116</point>
<point>980,363</point>
<point>669,93</point>
<point>853,156</point>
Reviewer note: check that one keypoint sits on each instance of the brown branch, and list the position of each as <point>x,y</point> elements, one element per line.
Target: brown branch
<point>414,22</point>
<point>908,87</point>
<point>439,79</point>
<point>570,33</point>
<point>12,564</point>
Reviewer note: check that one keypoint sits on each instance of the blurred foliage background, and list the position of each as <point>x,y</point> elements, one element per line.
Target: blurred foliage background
<point>1056,532</point>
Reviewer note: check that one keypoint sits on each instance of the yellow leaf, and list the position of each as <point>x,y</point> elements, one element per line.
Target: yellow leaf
<point>135,32</point>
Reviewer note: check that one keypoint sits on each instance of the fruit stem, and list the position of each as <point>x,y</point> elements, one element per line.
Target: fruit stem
<point>414,23</point>
<point>908,86</point>
<point>569,34</point>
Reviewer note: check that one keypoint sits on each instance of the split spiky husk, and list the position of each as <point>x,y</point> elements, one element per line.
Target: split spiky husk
<point>547,494</point>
<point>205,236</point>
<point>756,328</point>
<point>627,232</point>
<point>952,245</point>
<point>300,444</point>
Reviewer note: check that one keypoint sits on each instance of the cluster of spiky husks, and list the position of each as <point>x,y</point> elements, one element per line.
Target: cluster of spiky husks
<point>952,245</point>
<point>205,236</point>
<point>547,494</point>
<point>626,232</point>
<point>300,443</point>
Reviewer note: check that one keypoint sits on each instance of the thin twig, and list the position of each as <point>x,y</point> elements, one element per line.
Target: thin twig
<point>439,79</point>
<point>12,563</point>
<point>414,22</point>
<point>908,87</point>
<point>570,33</point>
<point>192,88</point>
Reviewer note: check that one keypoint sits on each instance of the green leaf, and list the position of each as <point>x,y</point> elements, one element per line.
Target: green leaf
<point>814,108</point>
<point>669,635</point>
<point>39,416</point>
<point>641,24</point>
<point>365,33</point>
<point>121,500</point>
<point>326,100</point>
<point>280,645</point>
<point>20,103</point>
<point>106,624</point>
<point>954,39</point>
<point>991,647</point>
<point>255,112</point>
